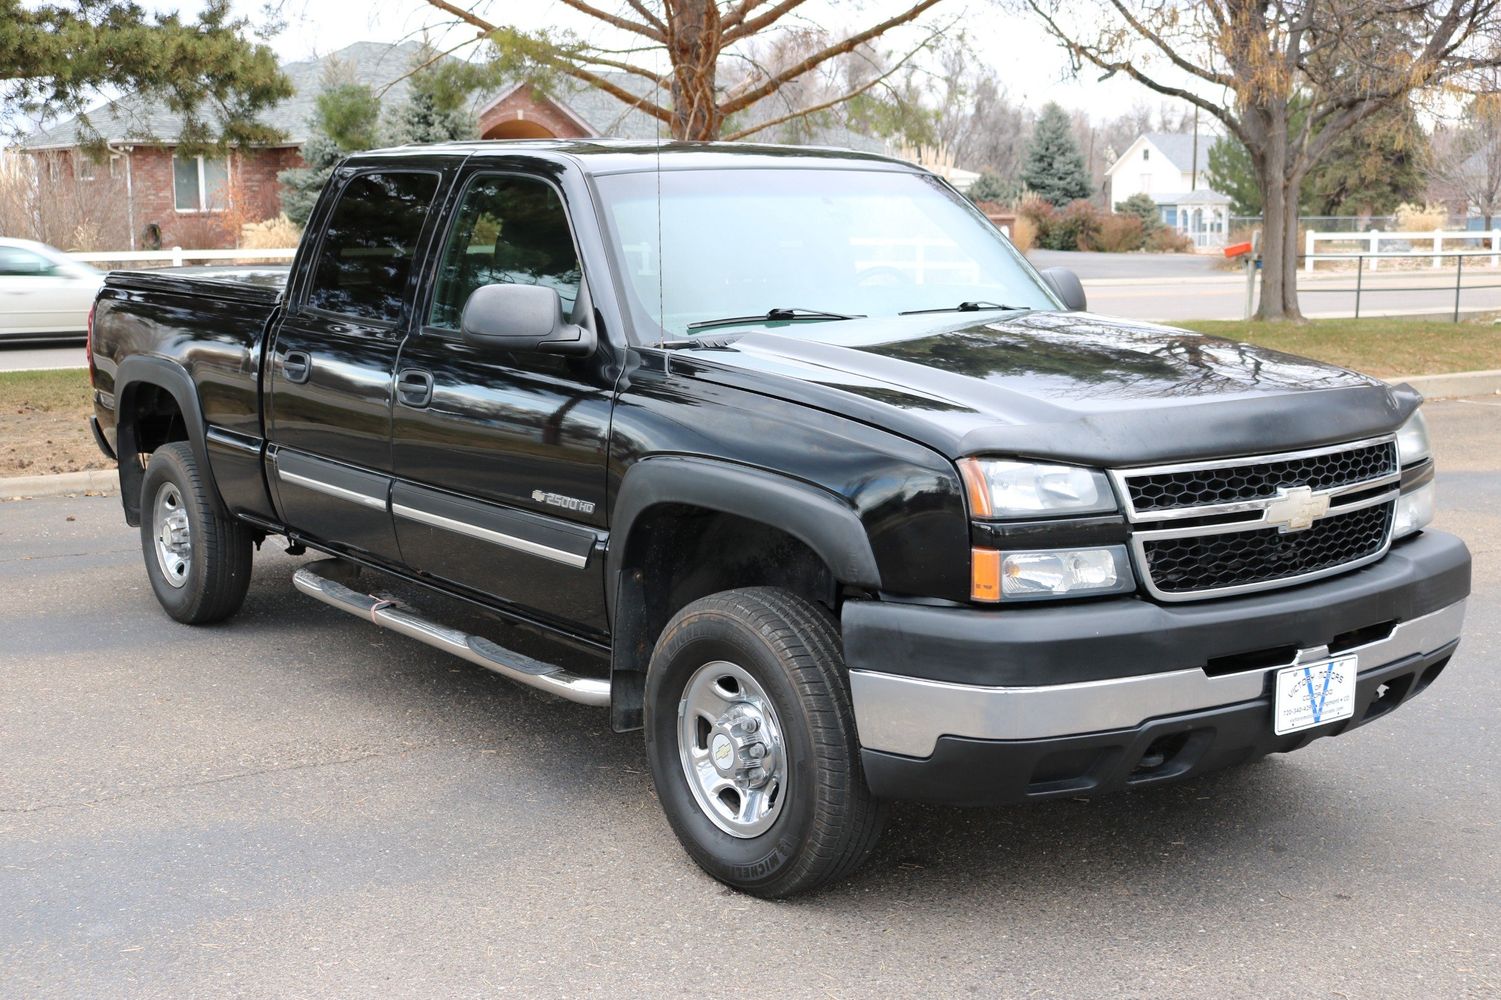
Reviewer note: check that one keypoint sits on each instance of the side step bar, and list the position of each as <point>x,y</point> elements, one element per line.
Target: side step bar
<point>508,663</point>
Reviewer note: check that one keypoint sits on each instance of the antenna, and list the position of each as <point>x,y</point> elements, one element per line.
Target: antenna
<point>661,249</point>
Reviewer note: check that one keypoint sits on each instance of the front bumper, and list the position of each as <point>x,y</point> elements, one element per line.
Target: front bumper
<point>967,706</point>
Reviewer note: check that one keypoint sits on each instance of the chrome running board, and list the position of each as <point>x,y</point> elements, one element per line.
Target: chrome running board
<point>492,656</point>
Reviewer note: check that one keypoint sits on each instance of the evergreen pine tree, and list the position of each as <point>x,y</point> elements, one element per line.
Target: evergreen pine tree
<point>345,120</point>
<point>1055,168</point>
<point>434,110</point>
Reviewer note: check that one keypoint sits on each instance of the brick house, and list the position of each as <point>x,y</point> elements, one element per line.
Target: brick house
<point>154,193</point>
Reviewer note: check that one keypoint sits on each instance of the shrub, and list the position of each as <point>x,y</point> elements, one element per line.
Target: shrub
<point>1167,240</point>
<point>1074,228</point>
<point>1023,233</point>
<point>1421,218</point>
<point>1120,234</point>
<point>991,186</point>
<point>270,234</point>
<point>1144,208</point>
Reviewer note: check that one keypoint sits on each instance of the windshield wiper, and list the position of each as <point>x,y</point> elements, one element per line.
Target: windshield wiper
<point>963,307</point>
<point>774,315</point>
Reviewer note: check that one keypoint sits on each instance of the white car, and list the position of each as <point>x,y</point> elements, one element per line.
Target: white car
<point>44,294</point>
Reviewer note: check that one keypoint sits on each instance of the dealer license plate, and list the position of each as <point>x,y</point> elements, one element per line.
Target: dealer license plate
<point>1314,694</point>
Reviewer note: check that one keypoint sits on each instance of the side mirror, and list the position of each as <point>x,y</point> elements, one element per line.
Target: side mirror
<point>1065,285</point>
<point>509,317</point>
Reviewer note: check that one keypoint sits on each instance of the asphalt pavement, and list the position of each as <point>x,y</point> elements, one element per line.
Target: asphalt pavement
<point>296,804</point>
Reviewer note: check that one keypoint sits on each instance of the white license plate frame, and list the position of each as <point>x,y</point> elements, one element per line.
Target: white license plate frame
<point>1314,694</point>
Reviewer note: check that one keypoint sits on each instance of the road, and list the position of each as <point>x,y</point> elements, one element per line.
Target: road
<point>24,359</point>
<point>295,804</point>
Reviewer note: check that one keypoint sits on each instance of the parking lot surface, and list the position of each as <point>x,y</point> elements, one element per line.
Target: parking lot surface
<point>297,804</point>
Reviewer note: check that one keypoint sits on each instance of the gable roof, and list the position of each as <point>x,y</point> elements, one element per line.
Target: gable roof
<point>1175,147</point>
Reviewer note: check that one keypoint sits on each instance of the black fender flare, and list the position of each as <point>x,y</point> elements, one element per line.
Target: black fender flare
<point>821,520</point>
<point>143,370</point>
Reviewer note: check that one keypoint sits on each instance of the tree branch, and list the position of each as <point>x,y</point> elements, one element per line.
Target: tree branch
<point>615,20</point>
<point>825,105</point>
<point>1202,72</point>
<point>737,27</point>
<point>796,70</point>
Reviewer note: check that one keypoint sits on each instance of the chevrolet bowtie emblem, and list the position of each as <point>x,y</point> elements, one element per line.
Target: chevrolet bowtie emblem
<point>1296,509</point>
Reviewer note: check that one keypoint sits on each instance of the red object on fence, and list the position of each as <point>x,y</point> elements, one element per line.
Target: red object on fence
<point>1237,249</point>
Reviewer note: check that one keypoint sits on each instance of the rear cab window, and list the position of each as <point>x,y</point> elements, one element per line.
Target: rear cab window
<point>364,264</point>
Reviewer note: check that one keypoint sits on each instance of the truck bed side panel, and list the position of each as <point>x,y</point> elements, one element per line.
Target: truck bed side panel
<point>212,329</point>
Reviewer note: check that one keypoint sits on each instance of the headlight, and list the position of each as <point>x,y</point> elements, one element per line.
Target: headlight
<point>1412,440</point>
<point>1042,573</point>
<point>999,488</point>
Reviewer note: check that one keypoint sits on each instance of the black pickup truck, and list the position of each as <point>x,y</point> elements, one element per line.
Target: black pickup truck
<point>796,464</point>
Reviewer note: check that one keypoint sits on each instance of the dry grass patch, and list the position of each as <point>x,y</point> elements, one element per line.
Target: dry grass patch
<point>1382,347</point>
<point>44,424</point>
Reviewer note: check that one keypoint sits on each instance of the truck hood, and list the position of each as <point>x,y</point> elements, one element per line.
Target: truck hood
<point>1067,386</point>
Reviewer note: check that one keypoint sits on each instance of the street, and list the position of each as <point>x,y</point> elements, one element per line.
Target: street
<point>297,804</point>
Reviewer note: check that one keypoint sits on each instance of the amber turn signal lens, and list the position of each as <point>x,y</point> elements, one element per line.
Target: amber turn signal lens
<point>975,487</point>
<point>985,575</point>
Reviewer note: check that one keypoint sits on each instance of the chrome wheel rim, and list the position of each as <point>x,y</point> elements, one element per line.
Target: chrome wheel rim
<point>173,535</point>
<point>731,747</point>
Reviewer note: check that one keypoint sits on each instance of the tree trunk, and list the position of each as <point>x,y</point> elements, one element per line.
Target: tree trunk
<point>693,36</point>
<point>1279,233</point>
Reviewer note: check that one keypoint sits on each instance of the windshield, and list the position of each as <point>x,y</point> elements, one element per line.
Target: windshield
<point>741,243</point>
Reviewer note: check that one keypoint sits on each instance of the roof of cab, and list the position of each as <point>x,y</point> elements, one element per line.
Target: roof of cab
<point>613,156</point>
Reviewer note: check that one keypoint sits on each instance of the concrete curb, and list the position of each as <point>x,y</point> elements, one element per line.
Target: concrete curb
<point>92,481</point>
<point>1455,384</point>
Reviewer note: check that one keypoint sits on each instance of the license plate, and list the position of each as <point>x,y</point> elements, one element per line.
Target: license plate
<point>1314,694</point>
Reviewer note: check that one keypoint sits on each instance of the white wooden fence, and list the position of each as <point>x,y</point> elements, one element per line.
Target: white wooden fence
<point>1418,245</point>
<point>177,256</point>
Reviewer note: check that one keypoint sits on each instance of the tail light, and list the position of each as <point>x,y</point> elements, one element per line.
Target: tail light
<point>88,344</point>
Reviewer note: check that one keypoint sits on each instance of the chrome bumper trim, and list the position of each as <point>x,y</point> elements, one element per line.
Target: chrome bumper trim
<point>907,715</point>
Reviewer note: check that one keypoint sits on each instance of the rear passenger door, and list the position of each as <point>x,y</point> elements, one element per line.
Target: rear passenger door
<point>330,368</point>
<point>500,457</point>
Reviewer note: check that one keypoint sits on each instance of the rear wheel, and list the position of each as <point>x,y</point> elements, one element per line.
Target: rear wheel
<point>198,557</point>
<point>752,744</point>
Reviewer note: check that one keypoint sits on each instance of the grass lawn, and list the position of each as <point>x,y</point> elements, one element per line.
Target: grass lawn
<point>1381,346</point>
<point>44,424</point>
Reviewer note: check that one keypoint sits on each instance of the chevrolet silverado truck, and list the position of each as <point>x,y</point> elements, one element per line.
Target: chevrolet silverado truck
<point>790,459</point>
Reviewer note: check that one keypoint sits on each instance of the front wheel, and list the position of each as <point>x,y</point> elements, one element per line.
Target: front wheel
<point>197,556</point>
<point>751,742</point>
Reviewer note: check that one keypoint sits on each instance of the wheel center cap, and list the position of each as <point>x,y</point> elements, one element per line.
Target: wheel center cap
<point>722,750</point>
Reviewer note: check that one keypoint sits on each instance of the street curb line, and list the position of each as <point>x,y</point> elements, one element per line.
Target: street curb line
<point>1454,384</point>
<point>91,481</point>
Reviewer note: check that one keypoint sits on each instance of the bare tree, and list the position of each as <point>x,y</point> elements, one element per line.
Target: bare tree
<point>1467,159</point>
<point>1344,61</point>
<point>62,199</point>
<point>691,37</point>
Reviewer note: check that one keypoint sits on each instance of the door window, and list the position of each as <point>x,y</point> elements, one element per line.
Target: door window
<point>508,230</point>
<point>15,262</point>
<point>368,245</point>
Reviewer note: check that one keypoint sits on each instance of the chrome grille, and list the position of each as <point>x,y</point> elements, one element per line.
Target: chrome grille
<point>1233,559</point>
<point>1214,529</point>
<point>1198,487</point>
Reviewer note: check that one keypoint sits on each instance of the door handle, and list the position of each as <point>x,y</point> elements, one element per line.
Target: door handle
<point>297,366</point>
<point>414,387</point>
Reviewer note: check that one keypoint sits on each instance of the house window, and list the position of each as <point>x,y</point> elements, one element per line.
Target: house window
<point>1146,154</point>
<point>87,168</point>
<point>198,183</point>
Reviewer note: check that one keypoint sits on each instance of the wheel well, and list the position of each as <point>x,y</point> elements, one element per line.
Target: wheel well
<point>678,553</point>
<point>148,418</point>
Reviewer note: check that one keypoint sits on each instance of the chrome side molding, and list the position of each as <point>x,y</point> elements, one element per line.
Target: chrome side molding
<point>492,656</point>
